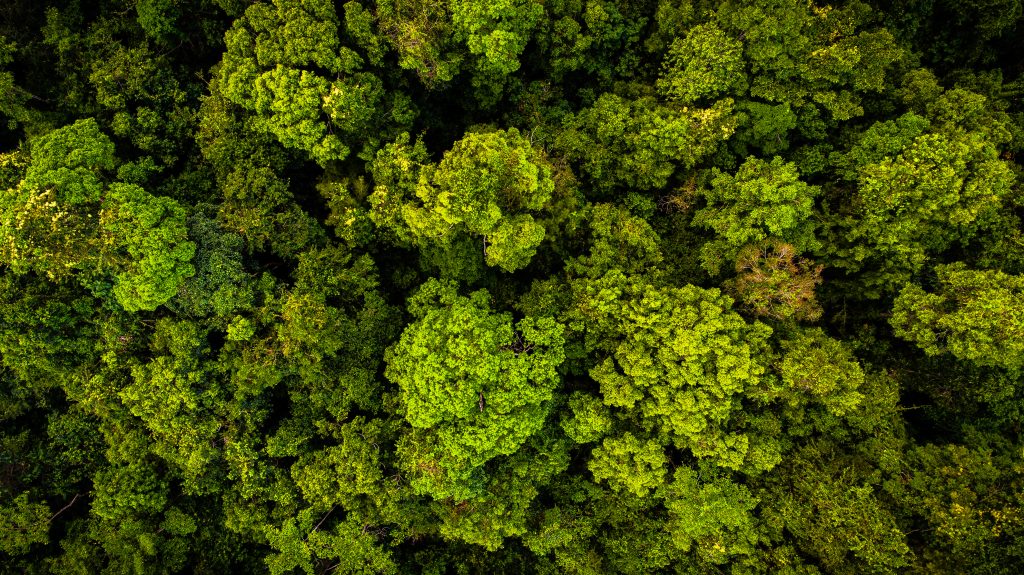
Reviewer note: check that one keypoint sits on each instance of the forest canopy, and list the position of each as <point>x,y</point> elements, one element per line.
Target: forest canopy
<point>511,286</point>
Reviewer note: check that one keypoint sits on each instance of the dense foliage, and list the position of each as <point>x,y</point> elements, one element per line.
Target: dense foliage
<point>511,286</point>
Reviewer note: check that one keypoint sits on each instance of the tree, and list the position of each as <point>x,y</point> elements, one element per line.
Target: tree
<point>158,17</point>
<point>600,38</point>
<point>966,496</point>
<point>627,463</point>
<point>24,525</point>
<point>818,60</point>
<point>496,32</point>
<point>922,186</point>
<point>347,546</point>
<point>506,496</point>
<point>816,368</point>
<point>712,517</point>
<point>473,385</point>
<point>259,206</point>
<point>279,63</point>
<point>678,357</point>
<point>44,226</point>
<point>763,201</point>
<point>772,281</point>
<point>640,144</point>
<point>489,184</point>
<point>221,285</point>
<point>976,315</point>
<point>63,217</point>
<point>179,400</point>
<point>591,419</point>
<point>67,161</point>
<point>349,473</point>
<point>704,64</point>
<point>619,241</point>
<point>151,231</point>
<point>12,97</point>
<point>422,33</point>
<point>834,514</point>
<point>521,286</point>
<point>956,34</point>
<point>331,330</point>
<point>47,330</point>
